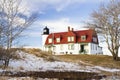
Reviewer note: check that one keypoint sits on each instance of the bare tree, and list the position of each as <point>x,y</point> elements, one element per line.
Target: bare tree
<point>106,20</point>
<point>13,21</point>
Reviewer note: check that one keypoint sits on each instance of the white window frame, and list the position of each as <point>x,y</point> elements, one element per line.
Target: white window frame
<point>70,38</point>
<point>57,40</point>
<point>71,47</point>
<point>50,40</point>
<point>83,38</point>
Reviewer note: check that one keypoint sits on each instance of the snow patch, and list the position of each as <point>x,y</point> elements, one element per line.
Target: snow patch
<point>30,62</point>
<point>107,69</point>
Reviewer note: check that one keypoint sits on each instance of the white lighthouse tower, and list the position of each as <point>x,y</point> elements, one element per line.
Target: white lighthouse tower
<point>44,37</point>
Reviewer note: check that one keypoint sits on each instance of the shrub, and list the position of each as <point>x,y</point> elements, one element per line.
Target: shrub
<point>6,55</point>
<point>51,58</point>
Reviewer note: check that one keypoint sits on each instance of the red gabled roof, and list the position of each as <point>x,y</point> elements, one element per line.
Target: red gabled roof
<point>76,34</point>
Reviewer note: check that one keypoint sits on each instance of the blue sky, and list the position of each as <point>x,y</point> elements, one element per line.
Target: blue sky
<point>57,15</point>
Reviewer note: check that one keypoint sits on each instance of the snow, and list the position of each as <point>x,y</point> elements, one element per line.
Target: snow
<point>30,62</point>
<point>107,69</point>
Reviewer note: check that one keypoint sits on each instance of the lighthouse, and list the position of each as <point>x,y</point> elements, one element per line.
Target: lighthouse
<point>44,36</point>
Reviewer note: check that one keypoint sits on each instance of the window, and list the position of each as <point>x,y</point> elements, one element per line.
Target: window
<point>61,47</point>
<point>58,40</point>
<point>70,46</point>
<point>94,39</point>
<point>96,47</point>
<point>68,39</point>
<point>50,40</point>
<point>45,30</point>
<point>83,38</point>
<point>54,48</point>
<point>71,39</point>
<point>91,47</point>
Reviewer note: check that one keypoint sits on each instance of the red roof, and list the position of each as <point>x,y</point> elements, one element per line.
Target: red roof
<point>76,34</point>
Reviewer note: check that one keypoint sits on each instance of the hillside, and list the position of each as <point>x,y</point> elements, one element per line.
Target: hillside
<point>93,60</point>
<point>37,60</point>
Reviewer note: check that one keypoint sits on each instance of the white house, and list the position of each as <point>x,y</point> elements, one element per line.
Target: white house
<point>71,42</point>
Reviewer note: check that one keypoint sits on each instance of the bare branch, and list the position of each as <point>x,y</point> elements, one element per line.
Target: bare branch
<point>107,21</point>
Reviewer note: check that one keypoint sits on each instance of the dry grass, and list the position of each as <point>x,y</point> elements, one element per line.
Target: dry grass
<point>93,60</point>
<point>35,51</point>
<point>97,60</point>
<point>39,53</point>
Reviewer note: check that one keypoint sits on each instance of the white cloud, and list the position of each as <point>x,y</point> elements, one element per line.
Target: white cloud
<point>60,25</point>
<point>58,5</point>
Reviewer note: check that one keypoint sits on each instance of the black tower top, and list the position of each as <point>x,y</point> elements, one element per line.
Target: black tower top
<point>46,30</point>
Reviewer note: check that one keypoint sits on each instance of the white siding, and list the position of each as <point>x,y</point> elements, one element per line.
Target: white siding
<point>44,38</point>
<point>62,49</point>
<point>89,48</point>
<point>95,49</point>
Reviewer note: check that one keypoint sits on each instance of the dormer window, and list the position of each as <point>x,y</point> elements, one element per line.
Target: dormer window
<point>57,40</point>
<point>83,38</point>
<point>70,38</point>
<point>50,40</point>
